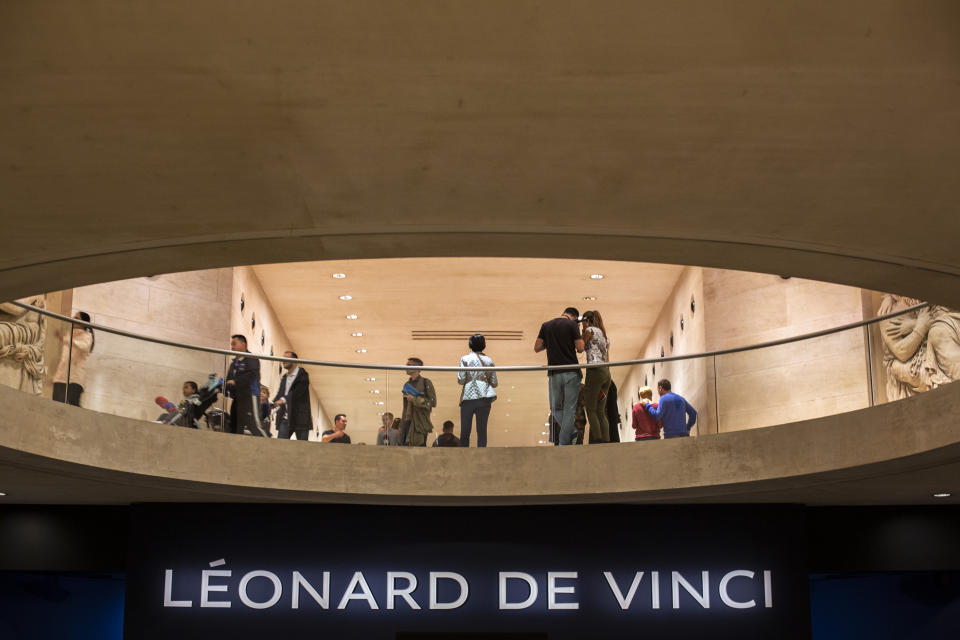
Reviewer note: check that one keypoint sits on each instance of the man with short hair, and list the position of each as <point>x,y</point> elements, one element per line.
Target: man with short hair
<point>243,385</point>
<point>674,412</point>
<point>337,435</point>
<point>447,439</point>
<point>561,339</point>
<point>293,400</point>
<point>419,399</point>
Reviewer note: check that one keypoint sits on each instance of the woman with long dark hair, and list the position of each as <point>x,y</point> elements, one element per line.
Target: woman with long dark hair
<point>75,361</point>
<point>597,381</point>
<point>478,393</point>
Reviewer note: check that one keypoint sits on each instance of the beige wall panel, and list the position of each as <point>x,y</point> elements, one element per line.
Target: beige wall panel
<point>125,375</point>
<point>788,382</point>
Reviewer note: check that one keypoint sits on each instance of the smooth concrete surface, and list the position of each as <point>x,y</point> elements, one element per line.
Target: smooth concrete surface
<point>897,452</point>
<point>808,138</point>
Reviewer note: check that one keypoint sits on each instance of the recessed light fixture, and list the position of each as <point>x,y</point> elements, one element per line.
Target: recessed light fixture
<point>339,276</point>
<point>539,441</point>
<point>377,391</point>
<point>346,297</point>
<point>2,494</point>
<point>357,334</point>
<point>371,379</point>
<point>596,276</point>
<point>361,350</point>
<point>352,316</point>
<point>380,403</point>
<point>942,494</point>
<point>589,297</point>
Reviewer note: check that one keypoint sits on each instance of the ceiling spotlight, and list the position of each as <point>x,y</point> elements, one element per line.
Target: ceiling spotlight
<point>346,297</point>
<point>2,494</point>
<point>589,297</point>
<point>596,276</point>
<point>357,334</point>
<point>339,276</point>
<point>352,316</point>
<point>361,350</point>
<point>371,379</point>
<point>942,494</point>
<point>377,391</point>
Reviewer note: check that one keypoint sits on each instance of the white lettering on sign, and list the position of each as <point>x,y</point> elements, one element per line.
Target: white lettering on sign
<point>393,591</point>
<point>269,602</point>
<point>553,589</point>
<point>322,598</point>
<point>738,589</point>
<point>517,575</point>
<point>436,576</point>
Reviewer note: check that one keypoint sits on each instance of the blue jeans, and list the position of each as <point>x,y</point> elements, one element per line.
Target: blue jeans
<point>564,391</point>
<point>468,409</point>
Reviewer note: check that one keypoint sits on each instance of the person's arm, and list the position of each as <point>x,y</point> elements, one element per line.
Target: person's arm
<point>493,377</point>
<point>462,375</point>
<point>691,416</point>
<point>336,435</point>
<point>429,398</point>
<point>279,399</point>
<point>654,412</point>
<point>578,343</point>
<point>539,345</point>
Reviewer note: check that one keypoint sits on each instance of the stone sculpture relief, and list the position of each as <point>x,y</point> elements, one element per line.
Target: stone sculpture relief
<point>22,336</point>
<point>921,349</point>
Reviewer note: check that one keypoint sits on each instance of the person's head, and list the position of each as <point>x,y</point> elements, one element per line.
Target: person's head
<point>593,319</point>
<point>83,315</point>
<point>289,366</point>
<point>340,422</point>
<point>387,419</point>
<point>264,394</point>
<point>396,423</point>
<point>189,388</point>
<point>572,313</point>
<point>238,342</point>
<point>663,386</point>
<point>448,426</point>
<point>477,342</point>
<point>414,362</point>
<point>646,393</point>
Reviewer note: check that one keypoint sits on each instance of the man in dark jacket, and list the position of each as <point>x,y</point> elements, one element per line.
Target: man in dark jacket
<point>293,399</point>
<point>243,385</point>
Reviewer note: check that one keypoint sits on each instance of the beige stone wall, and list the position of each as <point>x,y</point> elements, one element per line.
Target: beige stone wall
<point>689,378</point>
<point>125,375</point>
<point>268,327</point>
<point>792,382</point>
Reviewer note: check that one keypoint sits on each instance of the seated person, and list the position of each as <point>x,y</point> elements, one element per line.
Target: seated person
<point>447,439</point>
<point>337,435</point>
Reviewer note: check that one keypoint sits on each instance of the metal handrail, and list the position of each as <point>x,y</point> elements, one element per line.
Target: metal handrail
<point>404,367</point>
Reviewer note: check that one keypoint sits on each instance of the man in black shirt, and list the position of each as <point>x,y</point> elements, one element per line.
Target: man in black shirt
<point>337,435</point>
<point>447,439</point>
<point>561,338</point>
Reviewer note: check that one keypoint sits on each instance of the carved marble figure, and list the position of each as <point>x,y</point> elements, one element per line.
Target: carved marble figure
<point>22,335</point>
<point>921,349</point>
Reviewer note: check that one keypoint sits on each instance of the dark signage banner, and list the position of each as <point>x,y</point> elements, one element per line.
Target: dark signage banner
<point>321,571</point>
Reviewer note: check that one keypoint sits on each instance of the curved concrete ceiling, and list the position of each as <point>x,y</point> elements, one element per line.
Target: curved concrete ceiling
<point>52,452</point>
<point>814,139</point>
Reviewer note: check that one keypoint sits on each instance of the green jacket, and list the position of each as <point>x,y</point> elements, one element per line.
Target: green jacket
<point>417,411</point>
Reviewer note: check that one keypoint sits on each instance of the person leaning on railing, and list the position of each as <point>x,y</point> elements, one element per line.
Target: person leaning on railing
<point>73,361</point>
<point>675,413</point>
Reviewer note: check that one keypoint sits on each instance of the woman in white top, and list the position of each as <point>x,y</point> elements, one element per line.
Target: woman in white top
<point>597,382</point>
<point>478,391</point>
<point>75,361</point>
